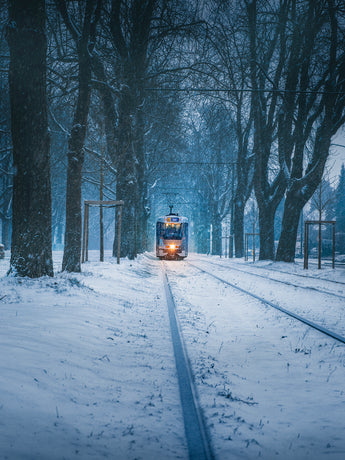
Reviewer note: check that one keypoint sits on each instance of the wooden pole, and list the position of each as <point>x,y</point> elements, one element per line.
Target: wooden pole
<point>320,248</point>
<point>119,234</point>
<point>84,232</point>
<point>306,237</point>
<point>87,234</point>
<point>333,252</point>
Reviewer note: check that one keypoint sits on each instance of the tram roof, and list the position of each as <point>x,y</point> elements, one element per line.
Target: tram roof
<point>172,219</point>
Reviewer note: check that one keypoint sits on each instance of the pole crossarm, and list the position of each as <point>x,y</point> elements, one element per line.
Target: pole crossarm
<point>109,203</point>
<point>309,222</point>
<point>100,203</point>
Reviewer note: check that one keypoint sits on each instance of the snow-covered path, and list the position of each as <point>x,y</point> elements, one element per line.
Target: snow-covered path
<point>87,367</point>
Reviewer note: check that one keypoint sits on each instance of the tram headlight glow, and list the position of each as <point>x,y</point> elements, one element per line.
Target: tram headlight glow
<point>172,246</point>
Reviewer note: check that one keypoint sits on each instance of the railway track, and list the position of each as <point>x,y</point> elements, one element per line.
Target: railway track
<point>297,317</point>
<point>197,435</point>
<point>199,447</point>
<point>303,275</point>
<point>287,283</point>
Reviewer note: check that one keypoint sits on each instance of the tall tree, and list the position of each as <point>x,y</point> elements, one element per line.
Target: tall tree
<point>319,112</point>
<point>130,26</point>
<point>267,58</point>
<point>84,38</point>
<point>31,238</point>
<point>228,66</point>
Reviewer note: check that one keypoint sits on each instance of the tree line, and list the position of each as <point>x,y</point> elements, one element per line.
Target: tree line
<point>227,97</point>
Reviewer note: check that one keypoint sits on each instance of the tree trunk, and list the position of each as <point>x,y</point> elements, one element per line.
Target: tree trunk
<point>31,239</point>
<point>127,181</point>
<point>143,209</point>
<point>287,241</point>
<point>84,43</point>
<point>216,236</point>
<point>266,223</point>
<point>71,256</point>
<point>6,232</point>
<point>72,249</point>
<point>238,227</point>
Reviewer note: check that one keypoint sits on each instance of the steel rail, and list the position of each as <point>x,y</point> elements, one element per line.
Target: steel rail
<point>287,283</point>
<point>199,447</point>
<point>299,274</point>
<point>313,325</point>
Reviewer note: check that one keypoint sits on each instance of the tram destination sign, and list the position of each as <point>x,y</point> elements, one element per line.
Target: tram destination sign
<point>172,219</point>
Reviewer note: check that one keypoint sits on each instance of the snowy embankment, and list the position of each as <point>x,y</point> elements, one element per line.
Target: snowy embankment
<point>87,367</point>
<point>270,386</point>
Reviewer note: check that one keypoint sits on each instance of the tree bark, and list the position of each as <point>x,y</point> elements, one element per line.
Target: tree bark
<point>239,227</point>
<point>6,232</point>
<point>287,241</point>
<point>266,223</point>
<point>127,182</point>
<point>132,53</point>
<point>31,239</point>
<point>268,191</point>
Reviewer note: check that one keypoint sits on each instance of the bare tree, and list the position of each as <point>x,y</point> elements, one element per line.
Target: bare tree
<point>266,67</point>
<point>320,112</point>
<point>84,38</point>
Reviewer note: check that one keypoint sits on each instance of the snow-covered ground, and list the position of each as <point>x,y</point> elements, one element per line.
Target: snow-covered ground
<point>87,367</point>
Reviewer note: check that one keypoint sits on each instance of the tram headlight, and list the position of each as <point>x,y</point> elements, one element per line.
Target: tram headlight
<point>172,246</point>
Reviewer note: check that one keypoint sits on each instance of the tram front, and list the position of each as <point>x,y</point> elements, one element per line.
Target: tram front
<point>172,237</point>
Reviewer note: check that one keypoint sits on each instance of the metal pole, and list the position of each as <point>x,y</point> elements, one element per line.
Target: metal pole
<point>333,257</point>
<point>253,241</point>
<point>232,222</point>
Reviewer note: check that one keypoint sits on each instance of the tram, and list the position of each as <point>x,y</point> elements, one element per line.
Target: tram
<point>172,236</point>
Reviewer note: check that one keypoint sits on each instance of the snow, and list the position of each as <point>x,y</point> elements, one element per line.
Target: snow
<point>87,367</point>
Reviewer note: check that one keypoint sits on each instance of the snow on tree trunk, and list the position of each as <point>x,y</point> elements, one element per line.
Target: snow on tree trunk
<point>31,239</point>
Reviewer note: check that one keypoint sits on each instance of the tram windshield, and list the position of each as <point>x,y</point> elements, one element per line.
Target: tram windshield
<point>172,232</point>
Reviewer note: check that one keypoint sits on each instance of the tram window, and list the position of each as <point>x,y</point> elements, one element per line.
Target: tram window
<point>173,232</point>
<point>160,229</point>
